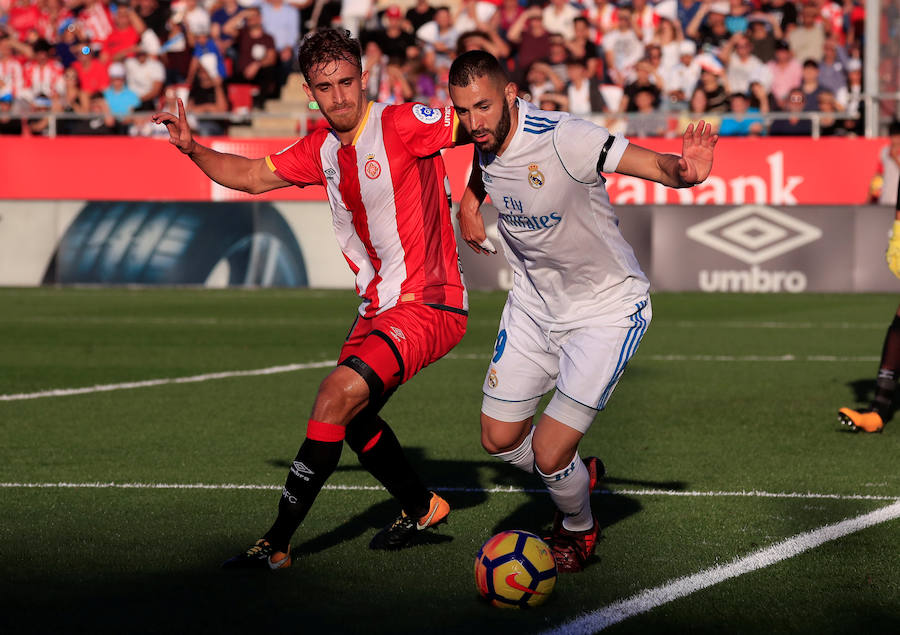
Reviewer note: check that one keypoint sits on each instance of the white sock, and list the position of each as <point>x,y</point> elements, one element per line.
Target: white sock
<point>522,457</point>
<point>569,491</point>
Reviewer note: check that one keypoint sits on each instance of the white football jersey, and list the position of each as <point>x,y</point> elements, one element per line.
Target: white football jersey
<point>570,263</point>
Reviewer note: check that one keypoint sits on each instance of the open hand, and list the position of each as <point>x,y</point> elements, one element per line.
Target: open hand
<point>179,130</point>
<point>697,153</point>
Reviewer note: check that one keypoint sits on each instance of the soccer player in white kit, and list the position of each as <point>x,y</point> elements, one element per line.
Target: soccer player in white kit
<point>580,303</point>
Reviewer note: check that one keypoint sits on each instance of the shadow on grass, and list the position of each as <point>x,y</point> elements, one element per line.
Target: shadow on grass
<point>464,485</point>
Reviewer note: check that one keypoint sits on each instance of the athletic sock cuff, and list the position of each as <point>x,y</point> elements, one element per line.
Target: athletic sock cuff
<point>560,474</point>
<point>326,432</point>
<point>519,451</point>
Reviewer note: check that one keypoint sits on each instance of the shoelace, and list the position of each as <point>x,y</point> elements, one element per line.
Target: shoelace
<point>402,520</point>
<point>256,549</point>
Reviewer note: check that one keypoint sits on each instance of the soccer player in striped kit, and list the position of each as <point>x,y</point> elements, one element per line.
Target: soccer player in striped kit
<point>579,304</point>
<point>385,180</point>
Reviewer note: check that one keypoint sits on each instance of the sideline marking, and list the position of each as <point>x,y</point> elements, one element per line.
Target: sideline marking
<point>296,321</point>
<point>760,358</point>
<point>681,587</point>
<point>738,324</point>
<point>66,392</point>
<point>490,490</point>
<point>289,368</point>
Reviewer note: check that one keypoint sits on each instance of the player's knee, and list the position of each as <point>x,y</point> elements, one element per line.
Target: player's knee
<point>551,459</point>
<point>341,396</point>
<point>501,436</point>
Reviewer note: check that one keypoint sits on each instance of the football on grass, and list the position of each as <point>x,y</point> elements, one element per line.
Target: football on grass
<point>515,569</point>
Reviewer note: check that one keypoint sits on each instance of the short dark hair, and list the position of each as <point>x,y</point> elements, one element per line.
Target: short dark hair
<point>894,128</point>
<point>474,64</point>
<point>324,46</point>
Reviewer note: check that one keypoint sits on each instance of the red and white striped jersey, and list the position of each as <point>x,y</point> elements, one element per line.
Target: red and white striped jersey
<point>44,79</point>
<point>48,26</point>
<point>96,20</point>
<point>833,17</point>
<point>389,196</point>
<point>12,79</point>
<point>602,19</point>
<point>648,20</point>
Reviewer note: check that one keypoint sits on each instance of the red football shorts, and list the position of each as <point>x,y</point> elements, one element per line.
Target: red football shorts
<point>403,340</point>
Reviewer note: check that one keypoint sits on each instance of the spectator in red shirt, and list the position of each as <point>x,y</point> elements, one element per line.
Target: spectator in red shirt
<point>126,35</point>
<point>92,74</point>
<point>23,18</point>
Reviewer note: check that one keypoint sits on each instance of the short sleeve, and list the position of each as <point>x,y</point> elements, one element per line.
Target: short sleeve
<point>424,130</point>
<point>587,149</point>
<point>299,163</point>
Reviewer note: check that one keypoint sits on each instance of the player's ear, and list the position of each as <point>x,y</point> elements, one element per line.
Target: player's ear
<point>510,92</point>
<point>364,80</point>
<point>308,91</point>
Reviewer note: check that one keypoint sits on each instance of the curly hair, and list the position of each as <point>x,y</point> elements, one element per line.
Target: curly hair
<point>323,46</point>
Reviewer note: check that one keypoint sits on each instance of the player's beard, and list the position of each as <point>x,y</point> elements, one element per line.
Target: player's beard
<point>345,119</point>
<point>498,134</point>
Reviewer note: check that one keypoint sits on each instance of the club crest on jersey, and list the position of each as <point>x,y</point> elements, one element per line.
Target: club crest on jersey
<point>492,378</point>
<point>372,167</point>
<point>535,176</point>
<point>427,115</point>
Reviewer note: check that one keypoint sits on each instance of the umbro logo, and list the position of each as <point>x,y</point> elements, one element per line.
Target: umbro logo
<point>754,233</point>
<point>397,334</point>
<point>300,470</point>
<point>329,173</point>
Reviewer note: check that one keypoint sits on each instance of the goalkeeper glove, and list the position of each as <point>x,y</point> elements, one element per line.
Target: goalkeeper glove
<point>893,250</point>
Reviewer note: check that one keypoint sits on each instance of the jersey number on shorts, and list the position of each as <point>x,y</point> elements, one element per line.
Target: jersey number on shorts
<point>499,346</point>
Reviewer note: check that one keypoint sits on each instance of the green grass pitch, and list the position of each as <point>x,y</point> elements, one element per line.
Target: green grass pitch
<point>729,397</point>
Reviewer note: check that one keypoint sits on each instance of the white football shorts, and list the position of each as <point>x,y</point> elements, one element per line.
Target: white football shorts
<point>585,362</point>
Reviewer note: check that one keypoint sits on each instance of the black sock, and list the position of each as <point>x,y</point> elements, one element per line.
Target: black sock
<point>886,383</point>
<point>379,452</point>
<point>315,462</point>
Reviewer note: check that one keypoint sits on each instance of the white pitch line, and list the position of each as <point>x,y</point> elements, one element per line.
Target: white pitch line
<point>759,358</point>
<point>681,587</point>
<point>66,392</point>
<point>293,321</point>
<point>490,490</point>
<point>770,325</point>
<point>288,368</point>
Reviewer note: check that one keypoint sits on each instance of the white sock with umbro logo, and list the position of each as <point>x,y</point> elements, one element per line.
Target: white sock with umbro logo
<point>569,489</point>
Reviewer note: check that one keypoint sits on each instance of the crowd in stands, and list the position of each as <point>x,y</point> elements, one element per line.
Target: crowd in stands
<point>661,63</point>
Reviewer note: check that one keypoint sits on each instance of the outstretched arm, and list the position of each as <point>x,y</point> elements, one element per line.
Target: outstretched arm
<point>230,170</point>
<point>691,168</point>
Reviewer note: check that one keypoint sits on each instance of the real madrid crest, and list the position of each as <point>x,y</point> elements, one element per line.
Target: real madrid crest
<point>492,378</point>
<point>372,167</point>
<point>535,176</point>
